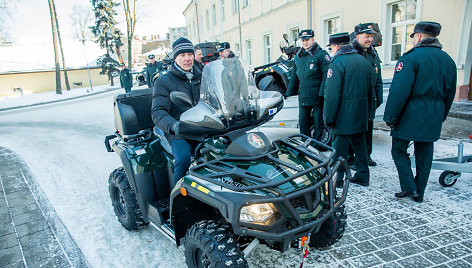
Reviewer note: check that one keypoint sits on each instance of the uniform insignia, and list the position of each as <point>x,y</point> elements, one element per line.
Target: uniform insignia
<point>327,58</point>
<point>311,66</point>
<point>370,26</point>
<point>399,67</point>
<point>376,69</point>
<point>330,73</point>
<point>304,33</point>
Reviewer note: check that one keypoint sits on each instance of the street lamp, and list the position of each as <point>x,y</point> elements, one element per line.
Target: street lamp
<point>86,62</point>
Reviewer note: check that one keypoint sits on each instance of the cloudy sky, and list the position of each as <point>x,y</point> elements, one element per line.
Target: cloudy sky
<point>30,30</point>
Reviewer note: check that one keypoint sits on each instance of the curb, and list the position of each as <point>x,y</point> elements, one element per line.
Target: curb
<point>60,100</point>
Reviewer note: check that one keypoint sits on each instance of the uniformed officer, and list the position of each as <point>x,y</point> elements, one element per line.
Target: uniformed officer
<point>224,49</point>
<point>420,97</point>
<point>307,79</point>
<point>126,79</point>
<point>363,44</point>
<point>152,68</point>
<point>346,103</point>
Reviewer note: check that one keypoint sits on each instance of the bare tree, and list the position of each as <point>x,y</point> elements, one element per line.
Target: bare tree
<point>81,18</point>
<point>7,7</point>
<point>130,15</point>
<point>66,78</point>
<point>56,49</point>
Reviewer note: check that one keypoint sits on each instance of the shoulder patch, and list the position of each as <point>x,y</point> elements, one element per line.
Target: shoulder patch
<point>330,73</point>
<point>399,67</point>
<point>327,57</point>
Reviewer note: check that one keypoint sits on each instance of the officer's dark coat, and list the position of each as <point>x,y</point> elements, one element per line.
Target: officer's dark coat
<point>164,113</point>
<point>421,93</point>
<point>308,75</point>
<point>151,71</point>
<point>347,92</point>
<point>126,79</point>
<point>373,58</point>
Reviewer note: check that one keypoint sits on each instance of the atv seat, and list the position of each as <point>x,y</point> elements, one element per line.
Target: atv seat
<point>133,111</point>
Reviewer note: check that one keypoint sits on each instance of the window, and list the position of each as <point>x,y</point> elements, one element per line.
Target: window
<point>294,33</point>
<point>222,5</point>
<point>402,22</point>
<point>245,3</point>
<point>249,51</point>
<point>208,19</point>
<point>237,49</point>
<point>331,26</point>
<point>235,6</point>
<point>213,11</point>
<point>267,48</point>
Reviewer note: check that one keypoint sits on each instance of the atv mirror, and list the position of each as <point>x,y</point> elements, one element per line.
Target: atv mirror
<point>285,37</point>
<point>180,98</point>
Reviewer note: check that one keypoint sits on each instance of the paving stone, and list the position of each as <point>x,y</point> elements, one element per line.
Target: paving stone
<point>407,249</point>
<point>467,244</point>
<point>15,188</point>
<point>454,251</point>
<point>6,228</point>
<point>17,264</point>
<point>27,217</point>
<point>345,252</point>
<point>5,218</point>
<point>361,224</point>
<point>444,238</point>
<point>24,209</point>
<point>426,244</point>
<point>365,247</point>
<point>379,219</point>
<point>44,237</point>
<point>414,221</point>
<point>379,230</point>
<point>385,241</point>
<point>379,210</point>
<point>44,251</point>
<point>31,227</point>
<point>358,215</point>
<point>2,201</point>
<point>20,201</point>
<point>386,255</point>
<point>368,260</point>
<point>415,261</point>
<point>404,236</point>
<point>463,233</point>
<point>10,255</point>
<point>361,235</point>
<point>395,215</point>
<point>390,265</point>
<point>422,231</point>
<point>435,257</point>
<point>56,261</point>
<point>459,263</point>
<point>342,264</point>
<point>8,241</point>
<point>468,259</point>
<point>347,239</point>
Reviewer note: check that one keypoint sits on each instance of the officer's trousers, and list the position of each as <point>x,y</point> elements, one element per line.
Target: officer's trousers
<point>311,116</point>
<point>423,159</point>
<point>368,140</point>
<point>341,144</point>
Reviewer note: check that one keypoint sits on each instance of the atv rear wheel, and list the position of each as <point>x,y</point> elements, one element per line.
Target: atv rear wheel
<point>331,230</point>
<point>211,244</point>
<point>124,200</point>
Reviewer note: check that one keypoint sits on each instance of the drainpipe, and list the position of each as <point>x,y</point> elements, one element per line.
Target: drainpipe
<point>310,14</point>
<point>198,22</point>
<point>239,26</point>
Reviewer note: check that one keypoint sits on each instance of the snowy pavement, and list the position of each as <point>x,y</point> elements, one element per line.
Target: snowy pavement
<point>62,146</point>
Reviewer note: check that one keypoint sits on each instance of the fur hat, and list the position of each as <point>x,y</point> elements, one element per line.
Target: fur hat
<point>339,39</point>
<point>427,27</point>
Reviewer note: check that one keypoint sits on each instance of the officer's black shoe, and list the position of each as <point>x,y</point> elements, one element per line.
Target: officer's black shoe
<point>359,182</point>
<point>418,199</point>
<point>403,194</point>
<point>372,163</point>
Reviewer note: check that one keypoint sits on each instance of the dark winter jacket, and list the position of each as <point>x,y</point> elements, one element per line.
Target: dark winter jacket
<point>347,92</point>
<point>373,58</point>
<point>126,79</point>
<point>151,71</point>
<point>421,93</point>
<point>308,75</point>
<point>165,113</point>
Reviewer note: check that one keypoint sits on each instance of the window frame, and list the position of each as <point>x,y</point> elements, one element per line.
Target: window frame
<point>267,47</point>
<point>324,25</point>
<point>207,14</point>
<point>249,51</point>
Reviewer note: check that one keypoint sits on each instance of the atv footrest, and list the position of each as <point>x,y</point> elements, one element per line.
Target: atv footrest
<point>162,205</point>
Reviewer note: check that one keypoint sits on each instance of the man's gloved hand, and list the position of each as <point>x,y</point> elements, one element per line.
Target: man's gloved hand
<point>174,129</point>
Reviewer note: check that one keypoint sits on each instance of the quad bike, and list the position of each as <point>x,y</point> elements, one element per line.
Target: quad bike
<point>240,190</point>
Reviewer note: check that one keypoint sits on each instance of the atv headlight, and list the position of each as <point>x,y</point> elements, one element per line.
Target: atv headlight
<point>257,213</point>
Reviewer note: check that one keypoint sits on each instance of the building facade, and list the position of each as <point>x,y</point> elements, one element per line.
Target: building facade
<point>255,28</point>
<point>176,33</point>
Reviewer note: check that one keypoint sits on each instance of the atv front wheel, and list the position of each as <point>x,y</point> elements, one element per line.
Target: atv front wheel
<point>124,200</point>
<point>211,244</point>
<point>331,230</point>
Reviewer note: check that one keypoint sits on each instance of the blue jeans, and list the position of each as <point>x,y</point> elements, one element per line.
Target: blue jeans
<point>182,151</point>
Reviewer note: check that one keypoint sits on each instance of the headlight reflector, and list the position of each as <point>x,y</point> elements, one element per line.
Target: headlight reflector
<point>257,213</point>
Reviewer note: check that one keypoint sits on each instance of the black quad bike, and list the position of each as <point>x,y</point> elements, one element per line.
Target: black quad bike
<point>241,188</point>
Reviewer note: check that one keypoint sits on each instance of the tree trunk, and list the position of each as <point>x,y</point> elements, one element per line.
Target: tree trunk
<point>112,83</point>
<point>66,78</point>
<point>129,53</point>
<point>56,52</point>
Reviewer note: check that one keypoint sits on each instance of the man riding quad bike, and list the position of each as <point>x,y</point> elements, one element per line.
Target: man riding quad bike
<point>240,190</point>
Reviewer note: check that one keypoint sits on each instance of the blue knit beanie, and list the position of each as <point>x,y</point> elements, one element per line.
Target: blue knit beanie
<point>182,45</point>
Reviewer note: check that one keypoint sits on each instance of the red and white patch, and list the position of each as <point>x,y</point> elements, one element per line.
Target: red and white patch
<point>330,73</point>
<point>370,26</point>
<point>399,67</point>
<point>327,58</point>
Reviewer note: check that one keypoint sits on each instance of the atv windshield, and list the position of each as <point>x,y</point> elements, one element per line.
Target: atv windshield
<point>229,100</point>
